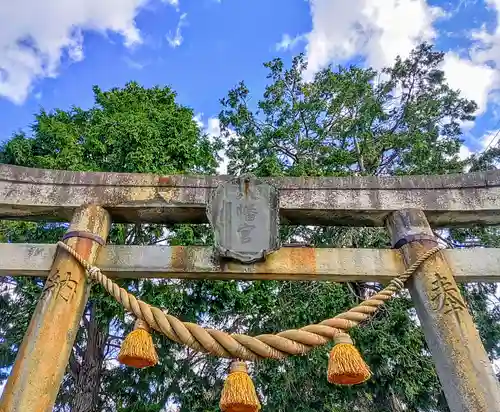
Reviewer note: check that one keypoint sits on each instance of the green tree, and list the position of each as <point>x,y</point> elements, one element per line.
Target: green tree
<point>347,121</point>
<point>350,121</point>
<point>132,129</point>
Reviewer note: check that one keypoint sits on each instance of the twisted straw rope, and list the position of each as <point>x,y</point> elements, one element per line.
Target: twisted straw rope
<point>244,347</point>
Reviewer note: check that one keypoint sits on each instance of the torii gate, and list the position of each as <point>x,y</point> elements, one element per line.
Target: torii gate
<point>406,206</point>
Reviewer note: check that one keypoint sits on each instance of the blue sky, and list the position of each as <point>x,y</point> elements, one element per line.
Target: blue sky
<point>52,52</point>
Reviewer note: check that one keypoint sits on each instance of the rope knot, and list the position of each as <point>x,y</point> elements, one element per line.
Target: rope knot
<point>238,366</point>
<point>141,324</point>
<point>94,272</point>
<point>342,338</point>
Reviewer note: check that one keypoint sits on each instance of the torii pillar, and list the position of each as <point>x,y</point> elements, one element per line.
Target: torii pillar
<point>463,367</point>
<point>44,353</point>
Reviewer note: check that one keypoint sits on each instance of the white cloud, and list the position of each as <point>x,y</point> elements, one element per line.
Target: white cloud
<point>134,64</point>
<point>377,29</point>
<point>177,39</point>
<point>198,120</point>
<point>464,152</point>
<point>479,145</point>
<point>480,78</point>
<point>174,3</point>
<point>475,81</point>
<point>288,43</point>
<point>489,139</point>
<point>212,128</point>
<point>380,30</point>
<point>35,35</point>
<point>487,44</point>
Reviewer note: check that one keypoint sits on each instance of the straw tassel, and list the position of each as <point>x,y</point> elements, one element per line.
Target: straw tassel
<point>238,394</point>
<point>346,366</point>
<point>137,349</point>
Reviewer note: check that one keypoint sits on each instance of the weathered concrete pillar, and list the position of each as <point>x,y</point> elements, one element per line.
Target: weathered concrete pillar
<point>461,361</point>
<point>44,353</point>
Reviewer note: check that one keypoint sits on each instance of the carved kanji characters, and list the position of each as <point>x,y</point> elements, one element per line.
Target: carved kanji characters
<point>446,295</point>
<point>63,285</point>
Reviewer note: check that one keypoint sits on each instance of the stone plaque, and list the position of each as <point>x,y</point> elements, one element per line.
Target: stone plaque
<point>244,214</point>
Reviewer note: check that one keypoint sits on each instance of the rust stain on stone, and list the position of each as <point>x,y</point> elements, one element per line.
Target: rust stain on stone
<point>84,246</point>
<point>289,261</point>
<point>181,259</point>
<point>303,260</point>
<point>178,258</point>
<point>285,262</point>
<point>164,180</point>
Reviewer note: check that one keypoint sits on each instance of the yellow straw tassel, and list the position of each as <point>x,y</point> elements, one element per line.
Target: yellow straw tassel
<point>346,366</point>
<point>137,349</point>
<point>238,394</point>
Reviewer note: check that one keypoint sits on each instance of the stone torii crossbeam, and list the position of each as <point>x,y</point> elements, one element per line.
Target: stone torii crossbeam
<point>406,206</point>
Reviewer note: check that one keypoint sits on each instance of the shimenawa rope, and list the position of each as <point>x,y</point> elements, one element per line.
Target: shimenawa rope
<point>244,347</point>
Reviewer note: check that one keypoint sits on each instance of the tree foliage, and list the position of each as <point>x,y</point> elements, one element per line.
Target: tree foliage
<point>350,121</point>
<point>347,121</point>
<point>132,129</point>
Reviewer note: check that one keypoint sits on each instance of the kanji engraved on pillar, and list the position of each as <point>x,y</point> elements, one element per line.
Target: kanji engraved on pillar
<point>60,284</point>
<point>446,296</point>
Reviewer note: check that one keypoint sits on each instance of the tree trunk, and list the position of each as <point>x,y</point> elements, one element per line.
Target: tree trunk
<point>88,379</point>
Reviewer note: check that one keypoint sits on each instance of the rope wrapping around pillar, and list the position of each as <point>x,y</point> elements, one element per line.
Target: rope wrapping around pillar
<point>244,347</point>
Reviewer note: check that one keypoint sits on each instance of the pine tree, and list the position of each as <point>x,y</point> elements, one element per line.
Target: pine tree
<point>348,121</point>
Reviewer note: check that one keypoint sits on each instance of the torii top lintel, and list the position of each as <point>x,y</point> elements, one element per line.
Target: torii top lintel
<point>454,199</point>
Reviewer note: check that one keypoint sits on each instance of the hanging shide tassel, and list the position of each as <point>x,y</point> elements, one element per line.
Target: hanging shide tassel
<point>238,394</point>
<point>346,366</point>
<point>137,349</point>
